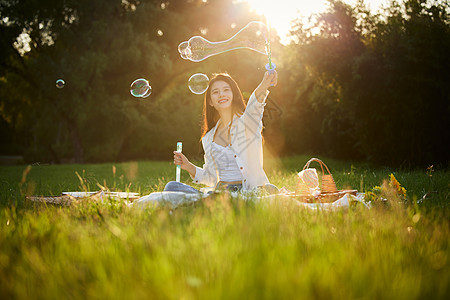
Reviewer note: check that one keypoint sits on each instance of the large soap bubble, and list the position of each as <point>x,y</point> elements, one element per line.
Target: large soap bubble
<point>60,83</point>
<point>254,36</point>
<point>140,88</point>
<point>198,83</point>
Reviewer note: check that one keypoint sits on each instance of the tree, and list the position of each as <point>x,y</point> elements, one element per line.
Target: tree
<point>89,45</point>
<point>377,85</point>
<point>99,48</point>
<point>402,90</point>
<point>321,65</point>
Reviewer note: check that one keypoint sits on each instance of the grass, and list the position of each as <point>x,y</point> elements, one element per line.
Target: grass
<point>222,249</point>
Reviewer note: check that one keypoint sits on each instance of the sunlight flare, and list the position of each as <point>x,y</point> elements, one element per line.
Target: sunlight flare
<point>280,16</point>
<point>281,13</point>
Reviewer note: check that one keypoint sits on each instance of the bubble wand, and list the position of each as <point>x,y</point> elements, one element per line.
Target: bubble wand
<point>270,66</point>
<point>179,149</point>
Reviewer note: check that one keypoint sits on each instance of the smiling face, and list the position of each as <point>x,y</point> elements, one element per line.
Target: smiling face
<point>221,95</point>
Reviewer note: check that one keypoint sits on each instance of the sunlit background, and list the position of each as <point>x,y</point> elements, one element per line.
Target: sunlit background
<point>284,12</point>
<point>385,72</point>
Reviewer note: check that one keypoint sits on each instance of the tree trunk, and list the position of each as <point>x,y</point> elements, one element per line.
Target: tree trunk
<point>55,157</point>
<point>78,150</point>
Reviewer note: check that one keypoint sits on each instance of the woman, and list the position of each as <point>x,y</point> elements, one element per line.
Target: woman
<point>231,139</point>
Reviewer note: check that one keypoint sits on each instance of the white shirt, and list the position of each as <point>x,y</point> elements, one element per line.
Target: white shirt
<point>246,143</point>
<point>226,164</point>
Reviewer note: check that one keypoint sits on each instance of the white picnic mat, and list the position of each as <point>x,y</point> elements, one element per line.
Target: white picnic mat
<point>175,199</point>
<point>103,194</point>
<point>343,202</point>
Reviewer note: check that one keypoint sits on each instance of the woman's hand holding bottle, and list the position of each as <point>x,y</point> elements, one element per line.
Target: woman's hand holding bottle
<point>181,160</point>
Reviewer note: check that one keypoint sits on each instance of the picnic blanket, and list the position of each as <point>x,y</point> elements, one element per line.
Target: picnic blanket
<point>175,199</point>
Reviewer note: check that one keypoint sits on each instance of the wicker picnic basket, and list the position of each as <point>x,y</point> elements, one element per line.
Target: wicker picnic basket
<point>328,191</point>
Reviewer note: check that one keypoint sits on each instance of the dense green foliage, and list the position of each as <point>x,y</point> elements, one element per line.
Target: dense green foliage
<point>99,49</point>
<point>374,87</point>
<point>223,249</point>
<point>354,85</point>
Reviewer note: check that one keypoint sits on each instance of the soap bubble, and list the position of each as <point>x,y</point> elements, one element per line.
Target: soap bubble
<point>60,83</point>
<point>254,36</point>
<point>140,88</point>
<point>198,83</point>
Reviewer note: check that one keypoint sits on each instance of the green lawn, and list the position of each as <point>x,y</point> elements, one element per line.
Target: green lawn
<point>222,249</point>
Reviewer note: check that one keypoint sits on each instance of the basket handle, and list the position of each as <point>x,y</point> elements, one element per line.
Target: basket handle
<point>322,164</point>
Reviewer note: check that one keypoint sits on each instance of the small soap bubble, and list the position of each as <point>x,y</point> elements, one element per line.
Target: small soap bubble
<point>140,88</point>
<point>60,83</point>
<point>198,83</point>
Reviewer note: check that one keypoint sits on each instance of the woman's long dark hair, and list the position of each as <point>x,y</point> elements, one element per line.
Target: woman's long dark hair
<point>210,114</point>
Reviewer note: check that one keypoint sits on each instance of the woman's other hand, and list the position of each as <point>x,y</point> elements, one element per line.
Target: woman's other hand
<point>184,163</point>
<point>180,159</point>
